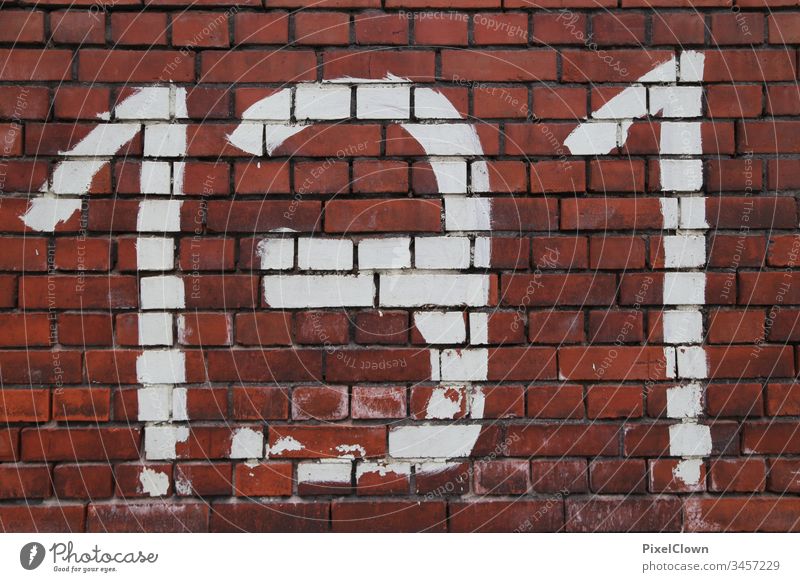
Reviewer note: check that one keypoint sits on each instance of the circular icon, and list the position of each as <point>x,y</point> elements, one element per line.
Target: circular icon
<point>31,555</point>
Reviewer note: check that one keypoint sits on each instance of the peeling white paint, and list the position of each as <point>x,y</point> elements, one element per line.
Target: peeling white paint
<point>669,212</point>
<point>179,404</point>
<point>688,471</point>
<point>160,441</point>
<point>593,138</point>
<point>153,483</point>
<point>685,401</point>
<point>477,402</point>
<point>383,469</point>
<point>338,472</point>
<point>287,443</point>
<point>350,451</point>
<point>441,404</point>
<point>246,443</point>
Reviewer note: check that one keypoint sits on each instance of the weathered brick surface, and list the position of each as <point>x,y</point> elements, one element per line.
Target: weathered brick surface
<point>399,266</point>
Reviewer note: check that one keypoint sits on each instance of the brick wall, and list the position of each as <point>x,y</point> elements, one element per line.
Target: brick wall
<point>393,265</point>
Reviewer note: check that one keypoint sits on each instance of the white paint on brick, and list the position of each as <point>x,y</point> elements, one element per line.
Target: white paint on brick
<point>330,471</point>
<point>692,362</point>
<point>155,254</point>
<point>436,365</point>
<point>593,138</point>
<point>382,468</point>
<point>417,290</point>
<point>159,216</point>
<point>246,443</point>
<point>438,327</point>
<point>46,213</point>
<point>433,441</point>
<point>178,175</point>
<point>153,483</point>
<point>688,471</point>
<point>273,107</point>
<point>692,65</point>
<point>477,402</point>
<point>689,440</point>
<point>276,253</point>
<point>315,101</point>
<point>451,175</point>
<point>684,288</point>
<point>383,102</point>
<point>249,137</point>
<point>433,467</point>
<point>160,441</point>
<point>442,252</point>
<point>179,404</point>
<point>682,327</point>
<point>693,213</point>
<point>680,138</point>
<point>480,177</point>
<point>155,329</point>
<point>298,291</point>
<point>446,139</point>
<point>631,102</point>
<point>145,103</point>
<point>325,254</point>
<point>670,362</point>
<point>664,73</point>
<point>681,175</point>
<point>684,251</point>
<point>478,328</point>
<point>161,367</point>
<point>283,444</point>
<point>154,403</point>
<point>154,178</point>
<point>351,451</point>
<point>165,140</point>
<point>467,365</point>
<point>467,214</point>
<point>165,292</point>
<point>441,405</point>
<point>669,212</point>
<point>104,139</point>
<point>384,253</point>
<point>275,135</point>
<point>75,177</point>
<point>676,101</point>
<point>483,252</point>
<point>431,104</point>
<point>685,401</point>
<point>181,110</point>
